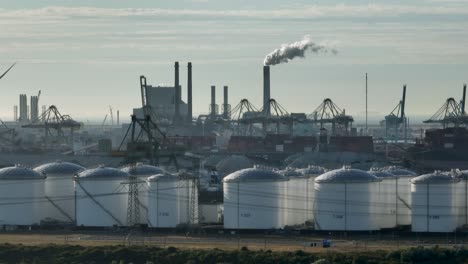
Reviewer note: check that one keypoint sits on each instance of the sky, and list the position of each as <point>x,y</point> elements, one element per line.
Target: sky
<point>87,55</point>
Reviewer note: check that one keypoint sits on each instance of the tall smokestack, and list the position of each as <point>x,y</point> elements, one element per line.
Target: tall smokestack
<point>189,92</point>
<point>266,90</point>
<point>118,117</point>
<point>463,99</point>
<point>226,103</point>
<point>213,101</point>
<point>177,92</point>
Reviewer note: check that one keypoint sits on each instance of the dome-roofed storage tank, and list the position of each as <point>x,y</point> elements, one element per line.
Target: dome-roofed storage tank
<point>296,194</point>
<point>433,203</point>
<point>21,195</point>
<point>163,201</point>
<point>345,200</point>
<point>188,198</point>
<point>387,202</point>
<point>311,172</point>
<point>254,199</point>
<point>461,192</point>
<point>59,190</point>
<point>101,198</point>
<point>403,178</point>
<point>142,172</point>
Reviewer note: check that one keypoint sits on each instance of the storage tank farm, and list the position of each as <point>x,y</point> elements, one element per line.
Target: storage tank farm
<point>310,173</point>
<point>345,201</point>
<point>403,178</point>
<point>433,203</point>
<point>387,202</point>
<point>101,198</point>
<point>22,196</point>
<point>164,201</point>
<point>142,172</point>
<point>59,190</point>
<point>254,199</point>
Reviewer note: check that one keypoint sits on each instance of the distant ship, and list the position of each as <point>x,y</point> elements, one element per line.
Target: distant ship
<point>441,149</point>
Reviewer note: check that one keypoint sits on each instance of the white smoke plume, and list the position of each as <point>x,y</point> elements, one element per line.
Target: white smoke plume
<point>290,51</point>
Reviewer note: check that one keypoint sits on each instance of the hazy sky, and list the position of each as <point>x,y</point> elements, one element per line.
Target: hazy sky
<point>87,55</point>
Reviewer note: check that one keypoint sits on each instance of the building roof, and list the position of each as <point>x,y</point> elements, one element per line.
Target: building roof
<point>59,168</point>
<point>254,175</point>
<point>346,175</point>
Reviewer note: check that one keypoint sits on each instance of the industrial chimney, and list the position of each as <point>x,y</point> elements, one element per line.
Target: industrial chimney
<point>266,90</point>
<point>213,101</point>
<point>226,103</point>
<point>177,93</point>
<point>189,92</point>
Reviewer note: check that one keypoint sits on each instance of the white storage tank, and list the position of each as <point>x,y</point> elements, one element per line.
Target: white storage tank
<point>163,201</point>
<point>254,199</point>
<point>59,190</point>
<point>403,193</point>
<point>311,172</point>
<point>461,192</point>
<point>345,199</point>
<point>296,197</point>
<point>101,198</point>
<point>433,203</point>
<point>188,198</point>
<point>142,172</point>
<point>21,196</point>
<point>387,202</point>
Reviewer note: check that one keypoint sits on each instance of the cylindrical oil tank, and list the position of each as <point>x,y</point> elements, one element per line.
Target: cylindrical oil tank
<point>296,196</point>
<point>59,190</point>
<point>21,196</point>
<point>461,193</point>
<point>345,199</point>
<point>403,193</point>
<point>311,172</point>
<point>254,199</point>
<point>433,203</point>
<point>387,202</point>
<point>142,172</point>
<point>188,198</point>
<point>163,201</point>
<point>101,197</point>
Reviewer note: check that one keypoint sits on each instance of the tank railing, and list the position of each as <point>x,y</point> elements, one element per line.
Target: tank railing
<point>99,204</point>
<point>60,209</point>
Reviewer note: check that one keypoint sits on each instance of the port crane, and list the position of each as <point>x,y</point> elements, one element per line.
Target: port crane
<point>451,113</point>
<point>330,113</point>
<point>396,119</point>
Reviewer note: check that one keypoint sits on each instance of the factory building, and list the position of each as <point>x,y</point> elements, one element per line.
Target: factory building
<point>162,100</point>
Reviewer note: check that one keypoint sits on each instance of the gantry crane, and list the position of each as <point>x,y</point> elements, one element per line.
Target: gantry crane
<point>329,113</point>
<point>397,119</point>
<point>451,113</point>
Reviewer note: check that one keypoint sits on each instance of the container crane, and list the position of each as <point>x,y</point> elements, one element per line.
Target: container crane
<point>329,113</point>
<point>451,113</point>
<point>397,118</point>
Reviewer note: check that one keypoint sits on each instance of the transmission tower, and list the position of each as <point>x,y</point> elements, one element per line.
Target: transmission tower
<point>133,207</point>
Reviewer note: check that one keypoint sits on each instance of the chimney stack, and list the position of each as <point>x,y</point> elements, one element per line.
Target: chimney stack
<point>213,101</point>
<point>189,93</point>
<point>226,103</point>
<point>266,90</point>
<point>177,92</point>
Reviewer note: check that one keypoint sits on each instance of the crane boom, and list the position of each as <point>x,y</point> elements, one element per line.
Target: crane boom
<point>7,70</point>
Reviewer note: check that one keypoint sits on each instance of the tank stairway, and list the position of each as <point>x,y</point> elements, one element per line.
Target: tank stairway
<point>404,202</point>
<point>60,209</point>
<point>100,205</point>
